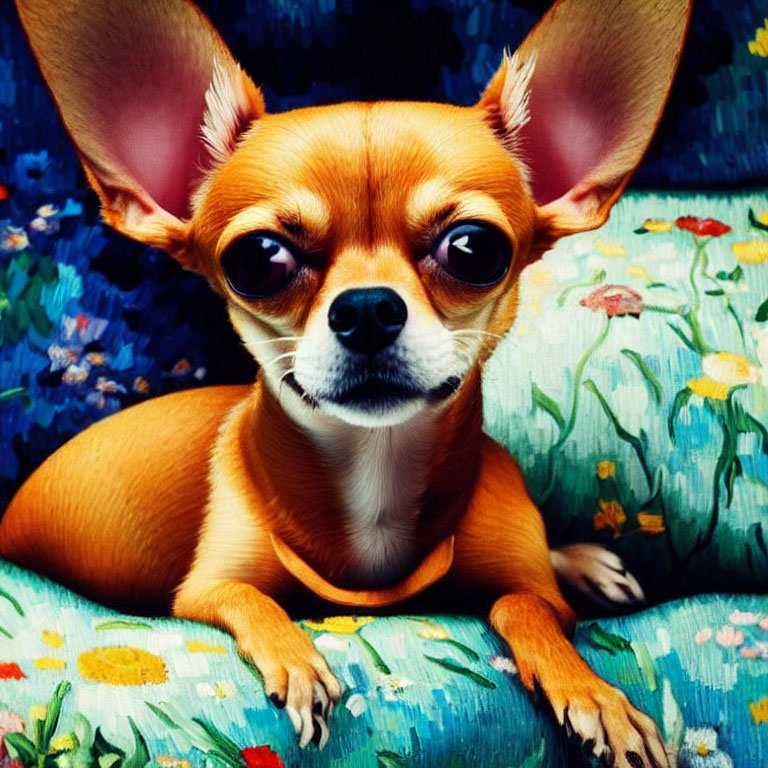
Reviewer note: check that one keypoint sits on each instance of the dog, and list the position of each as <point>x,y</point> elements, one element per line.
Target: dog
<point>369,256</point>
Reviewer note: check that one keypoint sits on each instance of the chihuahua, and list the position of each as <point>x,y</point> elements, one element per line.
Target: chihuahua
<point>369,256</point>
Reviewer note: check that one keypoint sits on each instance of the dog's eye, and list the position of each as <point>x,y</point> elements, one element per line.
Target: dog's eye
<point>258,266</point>
<point>474,253</point>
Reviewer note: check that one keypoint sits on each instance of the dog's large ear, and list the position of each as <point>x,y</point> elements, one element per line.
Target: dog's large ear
<point>152,98</point>
<point>580,99</point>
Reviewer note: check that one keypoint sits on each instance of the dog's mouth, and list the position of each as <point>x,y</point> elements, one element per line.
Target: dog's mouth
<point>376,392</point>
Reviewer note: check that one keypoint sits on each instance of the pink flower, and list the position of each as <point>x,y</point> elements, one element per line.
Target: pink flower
<point>749,653</point>
<point>764,624</point>
<point>615,300</point>
<point>729,637</point>
<point>703,635</point>
<point>743,618</point>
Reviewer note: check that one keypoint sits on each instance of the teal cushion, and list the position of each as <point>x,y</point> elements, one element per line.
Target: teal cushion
<point>632,389</point>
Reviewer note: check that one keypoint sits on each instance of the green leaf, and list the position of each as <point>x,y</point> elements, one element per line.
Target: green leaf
<point>762,312</point>
<point>83,730</point>
<point>11,393</point>
<point>121,624</point>
<point>732,471</point>
<point>389,759</point>
<point>645,663</point>
<point>657,285</point>
<point>460,670</point>
<point>4,631</point>
<point>7,596</point>
<point>647,373</point>
<point>745,423</point>
<point>681,335</point>
<point>140,756</point>
<point>672,717</point>
<point>20,748</point>
<point>540,400</point>
<point>378,662</point>
<point>465,649</point>
<point>47,270</point>
<point>715,292</point>
<point>605,641</point>
<point>165,718</point>
<point>52,712</point>
<point>223,744</point>
<point>109,759</point>
<point>641,231</point>
<point>755,222</point>
<point>681,400</point>
<point>101,748</point>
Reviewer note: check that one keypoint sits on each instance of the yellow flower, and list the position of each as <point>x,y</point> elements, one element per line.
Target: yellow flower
<point>195,646</point>
<point>605,469</point>
<point>611,515</point>
<point>727,368</point>
<point>759,46</point>
<point>48,662</point>
<point>763,218</point>
<point>224,689</point>
<point>120,665</point>
<point>340,625</point>
<point>63,743</point>
<point>706,387</point>
<point>657,225</point>
<point>759,710</point>
<point>751,252</point>
<point>433,632</point>
<point>635,270</point>
<point>38,712</point>
<point>54,639</point>
<point>609,248</point>
<point>164,761</point>
<point>651,524</point>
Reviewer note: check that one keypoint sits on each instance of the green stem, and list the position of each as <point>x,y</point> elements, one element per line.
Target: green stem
<point>378,662</point>
<point>13,601</point>
<point>692,316</point>
<point>569,425</point>
<point>466,650</point>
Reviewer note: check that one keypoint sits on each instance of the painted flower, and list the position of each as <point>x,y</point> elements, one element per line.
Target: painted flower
<point>744,618</point>
<point>609,248</point>
<point>433,632</point>
<point>503,664</point>
<point>651,524</point>
<point>699,750</point>
<point>340,625</point>
<point>751,251</point>
<point>141,386</point>
<point>43,225</point>
<point>3,192</point>
<point>63,743</point>
<point>166,761</point>
<point>615,300</point>
<point>702,227</point>
<point>13,239</point>
<point>62,357</point>
<point>706,387</point>
<point>759,710</point>
<point>605,469</point>
<point>261,757</point>
<point>10,722</point>
<point>759,46</point>
<point>86,329</point>
<point>329,642</point>
<point>53,639</point>
<point>729,637</point>
<point>121,665</point>
<point>356,704</point>
<point>610,515</point>
<point>76,374</point>
<point>654,225</point>
<point>703,635</point>
<point>10,671</point>
<point>764,624</point>
<point>393,685</point>
<point>727,368</point>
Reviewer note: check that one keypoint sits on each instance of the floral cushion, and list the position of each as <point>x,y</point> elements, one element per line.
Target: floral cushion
<point>86,686</point>
<point>633,389</point>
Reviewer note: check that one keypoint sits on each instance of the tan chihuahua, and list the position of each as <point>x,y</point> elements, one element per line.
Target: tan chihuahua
<point>369,255</point>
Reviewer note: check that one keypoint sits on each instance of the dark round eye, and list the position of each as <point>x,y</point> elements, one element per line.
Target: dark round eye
<point>474,253</point>
<point>257,266</point>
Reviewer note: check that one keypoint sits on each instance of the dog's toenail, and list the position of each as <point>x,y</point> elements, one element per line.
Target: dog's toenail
<point>635,760</point>
<point>318,708</point>
<point>317,734</point>
<point>276,700</point>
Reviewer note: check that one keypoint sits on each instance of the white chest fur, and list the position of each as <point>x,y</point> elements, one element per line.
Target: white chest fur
<point>381,474</point>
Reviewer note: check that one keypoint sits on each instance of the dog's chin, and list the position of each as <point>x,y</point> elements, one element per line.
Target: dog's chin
<point>376,403</point>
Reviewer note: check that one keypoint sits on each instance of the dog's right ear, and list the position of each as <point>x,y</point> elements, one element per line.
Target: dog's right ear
<point>152,99</point>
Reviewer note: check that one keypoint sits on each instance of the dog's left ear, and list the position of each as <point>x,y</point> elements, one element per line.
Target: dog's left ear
<point>579,101</point>
<point>152,98</point>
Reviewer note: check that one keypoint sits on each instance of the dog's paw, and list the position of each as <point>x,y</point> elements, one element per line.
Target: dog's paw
<point>610,727</point>
<point>597,576</point>
<point>297,679</point>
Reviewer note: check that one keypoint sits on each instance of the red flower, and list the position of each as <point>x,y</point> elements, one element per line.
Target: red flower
<point>616,300</point>
<point>10,671</point>
<point>261,757</point>
<point>702,227</point>
<point>3,192</point>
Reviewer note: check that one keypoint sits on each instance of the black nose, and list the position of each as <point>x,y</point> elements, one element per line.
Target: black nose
<point>367,320</point>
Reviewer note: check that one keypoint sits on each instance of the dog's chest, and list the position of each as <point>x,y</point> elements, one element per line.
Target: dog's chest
<point>380,475</point>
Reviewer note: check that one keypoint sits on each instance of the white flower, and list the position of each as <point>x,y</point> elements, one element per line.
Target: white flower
<point>47,210</point>
<point>391,685</point>
<point>744,618</point>
<point>13,239</point>
<point>503,664</point>
<point>329,642</point>
<point>699,750</point>
<point>357,704</point>
<point>76,374</point>
<point>47,226</point>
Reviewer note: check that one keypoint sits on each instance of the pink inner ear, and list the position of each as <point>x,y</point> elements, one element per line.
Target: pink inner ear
<point>579,116</point>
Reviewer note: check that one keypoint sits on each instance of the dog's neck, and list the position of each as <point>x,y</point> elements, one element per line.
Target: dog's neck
<point>364,505</point>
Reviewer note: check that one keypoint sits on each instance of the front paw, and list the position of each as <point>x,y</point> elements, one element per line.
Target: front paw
<point>297,679</point>
<point>609,726</point>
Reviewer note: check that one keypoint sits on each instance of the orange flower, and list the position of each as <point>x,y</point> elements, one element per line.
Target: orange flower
<point>610,515</point>
<point>650,524</point>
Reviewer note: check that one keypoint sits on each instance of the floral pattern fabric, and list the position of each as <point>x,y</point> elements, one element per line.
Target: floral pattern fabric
<point>83,686</point>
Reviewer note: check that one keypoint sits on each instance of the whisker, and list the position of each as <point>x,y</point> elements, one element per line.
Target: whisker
<point>475,331</point>
<point>275,340</point>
